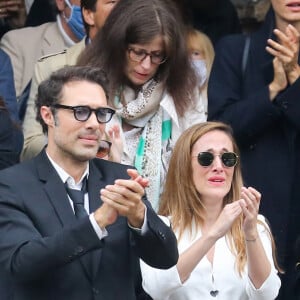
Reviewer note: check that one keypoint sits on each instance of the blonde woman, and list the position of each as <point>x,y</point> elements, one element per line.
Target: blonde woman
<point>202,54</point>
<point>226,248</point>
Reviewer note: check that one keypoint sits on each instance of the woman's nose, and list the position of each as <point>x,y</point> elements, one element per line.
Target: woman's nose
<point>217,163</point>
<point>146,62</point>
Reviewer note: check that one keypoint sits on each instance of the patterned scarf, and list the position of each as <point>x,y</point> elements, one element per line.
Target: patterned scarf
<point>154,149</point>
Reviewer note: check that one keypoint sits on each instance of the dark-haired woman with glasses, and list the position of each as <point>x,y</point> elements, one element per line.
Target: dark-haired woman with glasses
<point>153,86</point>
<point>226,248</point>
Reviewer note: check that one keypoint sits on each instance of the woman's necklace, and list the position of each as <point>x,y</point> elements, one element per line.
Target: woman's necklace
<point>214,292</point>
<point>210,256</point>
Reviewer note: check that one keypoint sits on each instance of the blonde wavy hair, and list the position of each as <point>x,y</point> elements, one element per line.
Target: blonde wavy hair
<point>199,41</point>
<point>181,201</point>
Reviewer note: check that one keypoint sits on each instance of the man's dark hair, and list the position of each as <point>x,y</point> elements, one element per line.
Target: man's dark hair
<point>50,90</point>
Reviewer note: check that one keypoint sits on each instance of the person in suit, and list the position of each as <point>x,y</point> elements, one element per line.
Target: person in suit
<point>26,45</point>
<point>11,138</point>
<point>54,248</point>
<point>7,87</point>
<point>254,86</point>
<point>94,13</point>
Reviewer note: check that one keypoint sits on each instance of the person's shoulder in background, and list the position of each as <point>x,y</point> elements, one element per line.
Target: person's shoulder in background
<point>7,86</point>
<point>11,139</point>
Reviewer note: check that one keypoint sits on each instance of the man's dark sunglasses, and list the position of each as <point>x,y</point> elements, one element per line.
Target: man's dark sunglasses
<point>82,113</point>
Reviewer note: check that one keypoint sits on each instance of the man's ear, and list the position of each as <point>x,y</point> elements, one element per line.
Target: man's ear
<point>88,16</point>
<point>47,115</point>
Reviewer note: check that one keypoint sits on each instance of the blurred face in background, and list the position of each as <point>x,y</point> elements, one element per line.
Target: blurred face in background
<point>286,12</point>
<point>103,9</point>
<point>97,17</point>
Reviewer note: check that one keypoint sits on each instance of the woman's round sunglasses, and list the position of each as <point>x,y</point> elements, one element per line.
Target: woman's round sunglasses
<point>229,159</point>
<point>104,149</point>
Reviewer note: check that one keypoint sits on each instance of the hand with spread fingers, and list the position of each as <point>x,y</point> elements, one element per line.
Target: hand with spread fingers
<point>116,151</point>
<point>286,49</point>
<point>11,6</point>
<point>14,11</point>
<point>3,12</point>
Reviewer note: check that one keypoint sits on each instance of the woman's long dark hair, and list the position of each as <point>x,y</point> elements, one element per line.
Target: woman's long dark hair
<point>138,22</point>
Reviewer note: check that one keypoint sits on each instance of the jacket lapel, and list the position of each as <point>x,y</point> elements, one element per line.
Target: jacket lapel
<point>53,41</point>
<point>73,52</point>
<point>55,190</point>
<point>95,184</point>
<point>259,42</point>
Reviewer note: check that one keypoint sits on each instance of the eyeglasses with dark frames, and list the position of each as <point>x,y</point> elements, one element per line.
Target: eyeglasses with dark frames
<point>104,149</point>
<point>229,159</point>
<point>82,112</point>
<point>138,55</point>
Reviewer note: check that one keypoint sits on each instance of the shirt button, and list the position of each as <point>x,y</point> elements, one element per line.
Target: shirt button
<point>95,291</point>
